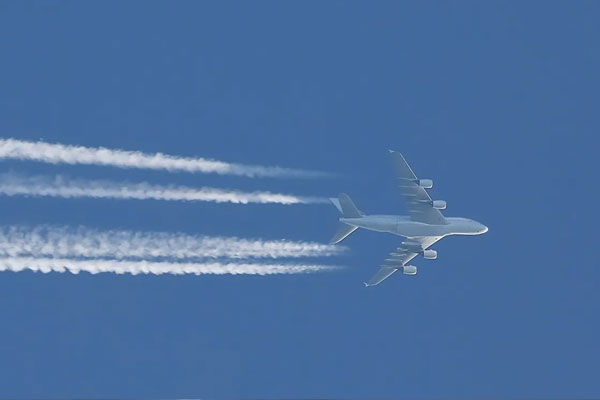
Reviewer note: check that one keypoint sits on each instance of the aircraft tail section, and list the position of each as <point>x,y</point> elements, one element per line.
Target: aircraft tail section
<point>346,206</point>
<point>348,210</point>
<point>343,231</point>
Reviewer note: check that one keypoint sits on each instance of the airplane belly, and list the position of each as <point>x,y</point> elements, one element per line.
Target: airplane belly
<point>379,223</point>
<point>416,229</point>
<point>380,226</point>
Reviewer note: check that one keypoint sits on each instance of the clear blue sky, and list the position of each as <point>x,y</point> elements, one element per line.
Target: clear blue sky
<point>496,101</point>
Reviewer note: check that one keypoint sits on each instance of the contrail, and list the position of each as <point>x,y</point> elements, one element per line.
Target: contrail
<point>54,241</point>
<point>66,154</point>
<point>46,265</point>
<point>61,186</point>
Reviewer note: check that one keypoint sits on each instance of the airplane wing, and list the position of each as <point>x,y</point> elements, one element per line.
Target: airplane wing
<point>420,205</point>
<point>400,257</point>
<point>381,275</point>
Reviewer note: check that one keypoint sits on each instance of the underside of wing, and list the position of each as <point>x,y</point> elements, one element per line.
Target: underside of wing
<point>419,204</point>
<point>398,258</point>
<point>381,275</point>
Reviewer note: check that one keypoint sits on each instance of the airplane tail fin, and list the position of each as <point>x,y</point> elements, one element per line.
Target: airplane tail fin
<point>348,210</point>
<point>346,206</point>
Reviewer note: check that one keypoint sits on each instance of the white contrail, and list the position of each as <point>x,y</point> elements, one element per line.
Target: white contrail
<point>66,154</point>
<point>46,265</point>
<point>53,241</point>
<point>61,186</point>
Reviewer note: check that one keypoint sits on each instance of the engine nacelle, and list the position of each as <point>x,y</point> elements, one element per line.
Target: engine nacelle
<point>439,204</point>
<point>409,270</point>
<point>430,254</point>
<point>425,183</point>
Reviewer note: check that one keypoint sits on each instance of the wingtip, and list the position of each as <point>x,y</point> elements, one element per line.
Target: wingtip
<point>334,240</point>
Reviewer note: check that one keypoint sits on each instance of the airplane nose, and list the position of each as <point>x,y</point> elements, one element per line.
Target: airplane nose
<point>484,229</point>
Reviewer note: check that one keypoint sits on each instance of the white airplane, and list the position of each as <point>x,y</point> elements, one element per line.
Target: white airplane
<point>424,225</point>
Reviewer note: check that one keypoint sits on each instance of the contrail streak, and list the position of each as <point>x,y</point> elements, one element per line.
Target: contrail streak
<point>66,154</point>
<point>61,186</point>
<point>53,241</point>
<point>46,265</point>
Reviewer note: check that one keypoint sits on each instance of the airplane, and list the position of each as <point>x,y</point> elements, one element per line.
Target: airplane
<point>424,226</point>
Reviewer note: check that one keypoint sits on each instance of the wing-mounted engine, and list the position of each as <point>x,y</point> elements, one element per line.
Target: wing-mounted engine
<point>409,270</point>
<point>439,204</point>
<point>424,183</point>
<point>430,254</point>
<point>415,247</point>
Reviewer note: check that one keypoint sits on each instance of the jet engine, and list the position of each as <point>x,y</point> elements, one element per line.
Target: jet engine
<point>425,183</point>
<point>439,204</point>
<point>430,254</point>
<point>409,270</point>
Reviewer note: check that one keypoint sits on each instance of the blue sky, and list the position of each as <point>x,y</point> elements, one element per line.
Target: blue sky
<point>495,101</point>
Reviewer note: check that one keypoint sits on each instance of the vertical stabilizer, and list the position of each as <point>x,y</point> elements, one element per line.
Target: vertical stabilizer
<point>348,210</point>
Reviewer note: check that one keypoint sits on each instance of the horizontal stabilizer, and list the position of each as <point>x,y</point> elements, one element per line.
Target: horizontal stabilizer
<point>381,275</point>
<point>344,230</point>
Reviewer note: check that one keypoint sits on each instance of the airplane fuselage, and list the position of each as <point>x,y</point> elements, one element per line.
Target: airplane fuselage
<point>403,226</point>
